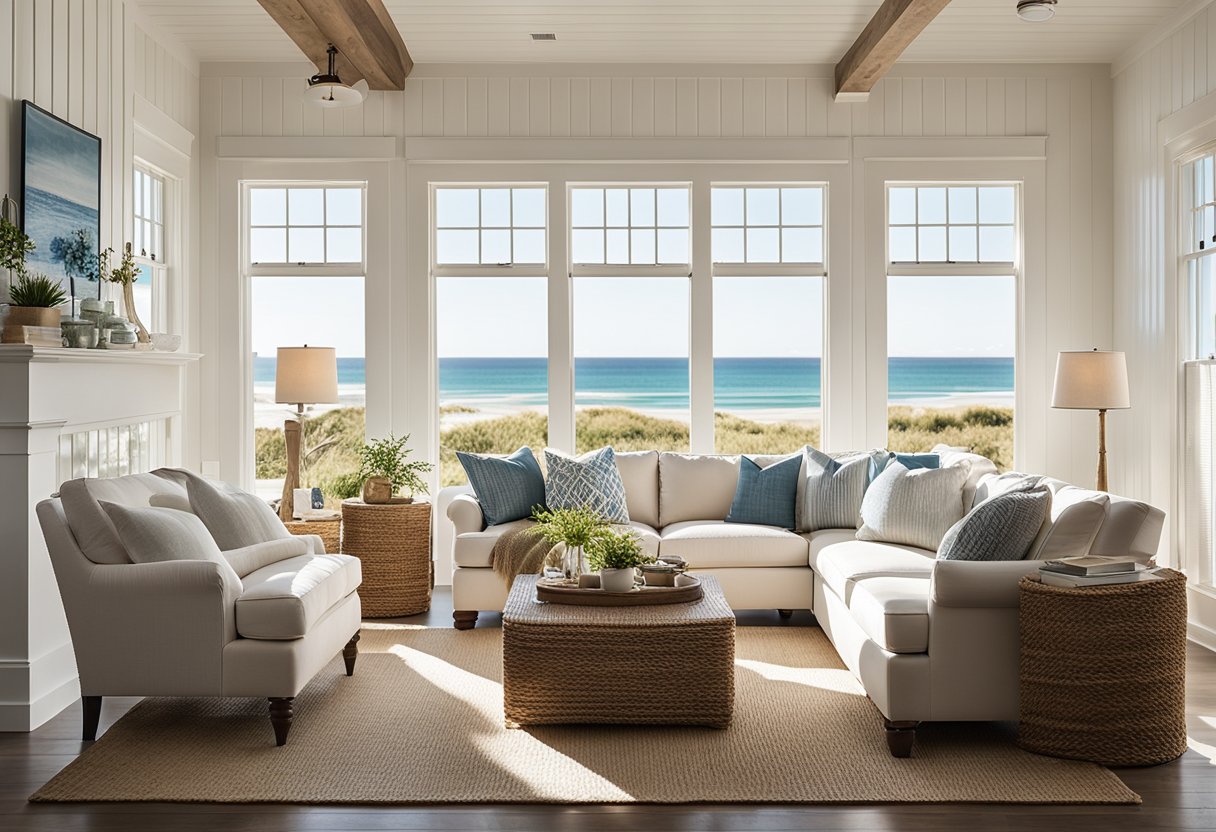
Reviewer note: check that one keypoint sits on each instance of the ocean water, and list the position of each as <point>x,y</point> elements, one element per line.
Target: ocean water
<point>49,216</point>
<point>740,384</point>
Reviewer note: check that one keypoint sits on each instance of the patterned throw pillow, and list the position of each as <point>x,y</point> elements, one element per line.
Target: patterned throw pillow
<point>766,496</point>
<point>508,487</point>
<point>913,507</point>
<point>1003,527</point>
<point>833,490</point>
<point>589,481</point>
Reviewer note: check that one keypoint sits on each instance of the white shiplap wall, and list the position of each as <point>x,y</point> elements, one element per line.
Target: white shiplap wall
<point>1069,104</point>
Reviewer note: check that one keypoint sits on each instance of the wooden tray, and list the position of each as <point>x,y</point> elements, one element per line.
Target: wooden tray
<point>557,592</point>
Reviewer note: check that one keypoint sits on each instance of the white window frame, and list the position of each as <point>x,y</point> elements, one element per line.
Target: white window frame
<point>318,268</point>
<point>1188,210</point>
<point>484,269</point>
<point>778,269</point>
<point>628,269</point>
<point>159,270</point>
<point>156,221</point>
<point>951,268</point>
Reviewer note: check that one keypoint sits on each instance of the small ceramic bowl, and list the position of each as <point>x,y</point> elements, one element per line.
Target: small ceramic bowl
<point>165,342</point>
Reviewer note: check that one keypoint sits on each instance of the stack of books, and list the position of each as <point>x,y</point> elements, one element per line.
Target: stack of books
<point>1094,570</point>
<point>36,336</point>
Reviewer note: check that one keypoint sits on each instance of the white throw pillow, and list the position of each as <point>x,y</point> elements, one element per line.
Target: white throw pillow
<point>234,518</point>
<point>696,487</point>
<point>1076,516</point>
<point>977,468</point>
<point>154,535</point>
<point>913,507</point>
<point>994,485</point>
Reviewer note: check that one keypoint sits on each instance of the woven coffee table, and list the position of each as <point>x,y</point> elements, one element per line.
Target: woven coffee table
<point>671,664</point>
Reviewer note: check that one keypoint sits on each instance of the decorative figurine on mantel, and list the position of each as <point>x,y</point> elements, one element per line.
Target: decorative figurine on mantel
<point>125,275</point>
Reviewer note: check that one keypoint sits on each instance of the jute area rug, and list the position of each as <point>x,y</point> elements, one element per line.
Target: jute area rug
<point>421,721</point>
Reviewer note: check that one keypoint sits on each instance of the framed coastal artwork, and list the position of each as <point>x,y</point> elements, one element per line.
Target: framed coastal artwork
<point>61,199</point>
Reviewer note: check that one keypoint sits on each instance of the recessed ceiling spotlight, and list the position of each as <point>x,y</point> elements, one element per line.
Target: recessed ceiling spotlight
<point>544,36</point>
<point>1036,11</point>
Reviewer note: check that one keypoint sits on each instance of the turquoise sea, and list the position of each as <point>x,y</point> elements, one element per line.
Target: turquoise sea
<point>740,384</point>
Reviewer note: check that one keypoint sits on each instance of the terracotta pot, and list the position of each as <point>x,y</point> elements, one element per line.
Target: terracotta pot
<point>377,490</point>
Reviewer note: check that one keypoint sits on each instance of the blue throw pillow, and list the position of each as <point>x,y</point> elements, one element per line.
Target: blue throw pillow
<point>589,481</point>
<point>507,487</point>
<point>766,496</point>
<point>878,464</point>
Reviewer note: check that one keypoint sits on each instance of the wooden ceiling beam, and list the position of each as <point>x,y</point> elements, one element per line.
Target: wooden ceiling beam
<point>369,45</point>
<point>890,31</point>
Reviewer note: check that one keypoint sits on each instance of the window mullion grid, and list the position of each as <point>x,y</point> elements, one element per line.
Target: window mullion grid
<point>511,222</point>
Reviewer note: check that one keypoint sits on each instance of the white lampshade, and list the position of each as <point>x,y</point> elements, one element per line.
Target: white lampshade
<point>1093,380</point>
<point>306,375</point>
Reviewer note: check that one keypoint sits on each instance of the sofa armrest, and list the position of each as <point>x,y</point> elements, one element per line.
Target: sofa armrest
<point>979,584</point>
<point>316,546</point>
<point>465,513</point>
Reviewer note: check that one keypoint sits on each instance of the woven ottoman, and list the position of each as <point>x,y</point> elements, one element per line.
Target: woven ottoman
<point>1103,670</point>
<point>669,664</point>
<point>393,544</point>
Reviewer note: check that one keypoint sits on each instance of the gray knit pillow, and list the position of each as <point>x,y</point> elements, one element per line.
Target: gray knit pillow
<point>1001,528</point>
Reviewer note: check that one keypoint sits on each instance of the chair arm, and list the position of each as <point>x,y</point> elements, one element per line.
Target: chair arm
<point>979,584</point>
<point>316,546</point>
<point>465,513</point>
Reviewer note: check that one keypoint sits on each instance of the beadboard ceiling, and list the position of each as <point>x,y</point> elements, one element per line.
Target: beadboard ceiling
<point>684,31</point>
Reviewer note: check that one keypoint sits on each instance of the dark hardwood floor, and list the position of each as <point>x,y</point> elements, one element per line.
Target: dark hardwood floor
<point>1177,796</point>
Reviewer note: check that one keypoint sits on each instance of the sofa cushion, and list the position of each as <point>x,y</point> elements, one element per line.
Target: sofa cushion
<point>1131,529</point>
<point>696,487</point>
<point>709,544</point>
<point>472,550</point>
<point>155,535</point>
<point>766,496</point>
<point>977,466</point>
<point>640,474</point>
<point>913,506</point>
<point>833,489</point>
<point>508,487</point>
<point>1003,527</point>
<point>820,540</point>
<point>284,600</point>
<point>1072,526</point>
<point>893,612</point>
<point>993,485</point>
<point>91,526</point>
<point>842,565</point>
<point>252,558</point>
<point>588,481</point>
<point>234,517</point>
<point>880,459</point>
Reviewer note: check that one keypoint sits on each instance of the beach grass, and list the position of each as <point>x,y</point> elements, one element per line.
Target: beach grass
<point>332,439</point>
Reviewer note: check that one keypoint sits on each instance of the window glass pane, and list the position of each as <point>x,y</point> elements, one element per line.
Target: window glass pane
<point>901,203</point>
<point>617,207</point>
<point>305,206</point>
<point>767,378</point>
<point>631,363</point>
<point>996,205</point>
<point>138,245</point>
<point>268,245</point>
<point>496,246</point>
<point>962,243</point>
<point>902,245</point>
<point>642,244</point>
<point>319,311</point>
<point>932,244</point>
<point>728,245</point>
<point>344,206</point>
<point>673,246</point>
<point>453,246</point>
<point>587,207</point>
<point>456,208</point>
<point>952,384</point>
<point>1203,302</point>
<point>618,246</point>
<point>142,289</point>
<point>802,206</point>
<point>962,205</point>
<point>762,245</point>
<point>344,245</point>
<point>673,207</point>
<point>496,207</point>
<point>530,246</point>
<point>587,246</point>
<point>931,206</point>
<point>268,206</point>
<point>762,206</point>
<point>138,193</point>
<point>996,244</point>
<point>641,206</point>
<point>305,245</point>
<point>529,207</point>
<point>492,343</point>
<point>802,245</point>
<point>726,206</point>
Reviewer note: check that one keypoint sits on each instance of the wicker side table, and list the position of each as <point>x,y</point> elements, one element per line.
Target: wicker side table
<point>393,542</point>
<point>330,531</point>
<point>1103,670</point>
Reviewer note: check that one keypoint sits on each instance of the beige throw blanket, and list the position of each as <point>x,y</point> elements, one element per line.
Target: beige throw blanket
<point>518,553</point>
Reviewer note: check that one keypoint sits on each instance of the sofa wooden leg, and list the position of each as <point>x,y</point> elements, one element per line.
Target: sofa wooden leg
<point>351,652</point>
<point>464,619</point>
<point>281,713</point>
<point>785,613</point>
<point>91,706</point>
<point>900,737</point>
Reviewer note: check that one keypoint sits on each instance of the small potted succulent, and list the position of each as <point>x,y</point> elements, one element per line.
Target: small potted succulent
<point>616,556</point>
<point>386,472</point>
<point>575,528</point>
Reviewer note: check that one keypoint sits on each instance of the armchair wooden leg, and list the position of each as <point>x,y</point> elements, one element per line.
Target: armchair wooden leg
<point>351,652</point>
<point>901,736</point>
<point>281,713</point>
<point>91,705</point>
<point>785,613</point>
<point>464,619</point>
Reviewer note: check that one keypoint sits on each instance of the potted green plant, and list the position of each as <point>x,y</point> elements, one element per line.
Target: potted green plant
<point>616,556</point>
<point>34,300</point>
<point>387,471</point>
<point>574,528</point>
<point>125,276</point>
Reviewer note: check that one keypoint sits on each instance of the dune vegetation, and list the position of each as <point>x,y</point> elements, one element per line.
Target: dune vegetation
<point>332,439</point>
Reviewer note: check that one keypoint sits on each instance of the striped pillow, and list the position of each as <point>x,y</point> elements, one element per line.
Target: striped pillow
<point>833,490</point>
<point>913,507</point>
<point>507,487</point>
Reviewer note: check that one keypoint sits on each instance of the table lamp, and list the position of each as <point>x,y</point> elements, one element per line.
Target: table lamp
<point>1094,380</point>
<point>303,375</point>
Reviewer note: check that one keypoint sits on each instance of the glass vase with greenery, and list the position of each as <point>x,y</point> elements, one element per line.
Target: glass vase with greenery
<point>575,528</point>
<point>388,458</point>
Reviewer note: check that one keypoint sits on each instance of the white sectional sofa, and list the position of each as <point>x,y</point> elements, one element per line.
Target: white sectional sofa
<point>929,639</point>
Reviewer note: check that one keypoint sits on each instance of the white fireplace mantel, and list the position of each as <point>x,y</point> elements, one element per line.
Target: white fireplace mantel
<point>51,402</point>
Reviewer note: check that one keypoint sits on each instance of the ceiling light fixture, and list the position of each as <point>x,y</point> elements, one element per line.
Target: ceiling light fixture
<point>544,36</point>
<point>1036,11</point>
<point>327,90</point>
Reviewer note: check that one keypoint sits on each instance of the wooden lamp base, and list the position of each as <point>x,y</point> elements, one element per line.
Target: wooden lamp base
<point>292,430</point>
